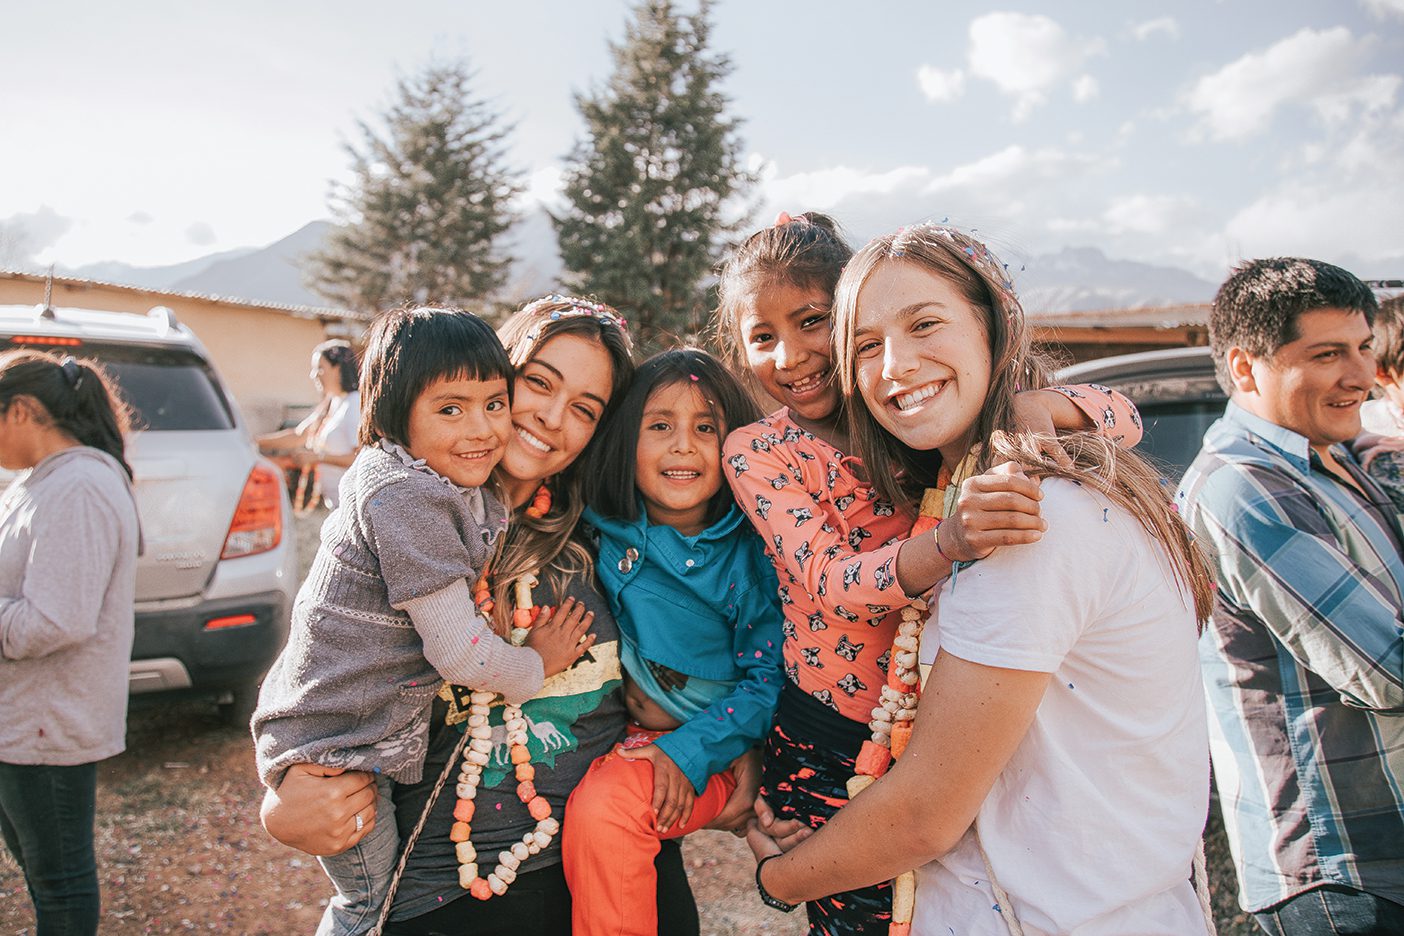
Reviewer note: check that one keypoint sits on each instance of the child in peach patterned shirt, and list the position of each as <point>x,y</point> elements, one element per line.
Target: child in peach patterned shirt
<point>845,562</point>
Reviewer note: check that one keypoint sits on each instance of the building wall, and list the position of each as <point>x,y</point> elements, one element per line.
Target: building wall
<point>263,354</point>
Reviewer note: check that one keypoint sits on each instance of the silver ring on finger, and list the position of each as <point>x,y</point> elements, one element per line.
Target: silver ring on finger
<point>360,823</point>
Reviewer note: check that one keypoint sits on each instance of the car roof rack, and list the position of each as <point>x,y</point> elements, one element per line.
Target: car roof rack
<point>165,318</point>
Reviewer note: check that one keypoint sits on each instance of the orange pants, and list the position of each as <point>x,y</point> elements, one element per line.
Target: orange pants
<point>611,837</point>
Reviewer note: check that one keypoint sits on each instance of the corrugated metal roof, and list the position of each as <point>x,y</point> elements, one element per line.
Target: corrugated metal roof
<point>1176,316</point>
<point>296,311</point>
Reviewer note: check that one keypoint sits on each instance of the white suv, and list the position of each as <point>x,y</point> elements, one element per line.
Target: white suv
<point>216,581</point>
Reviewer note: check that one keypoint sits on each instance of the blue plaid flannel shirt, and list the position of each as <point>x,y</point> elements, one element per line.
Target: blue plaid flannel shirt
<point>1303,663</point>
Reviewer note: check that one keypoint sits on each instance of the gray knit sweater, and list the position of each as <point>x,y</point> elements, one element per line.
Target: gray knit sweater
<point>384,613</point>
<point>68,548</point>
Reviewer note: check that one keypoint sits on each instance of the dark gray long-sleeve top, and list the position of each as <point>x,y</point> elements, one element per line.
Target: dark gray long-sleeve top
<point>373,632</point>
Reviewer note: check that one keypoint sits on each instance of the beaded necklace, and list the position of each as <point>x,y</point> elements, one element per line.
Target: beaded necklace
<point>480,746</point>
<point>895,715</point>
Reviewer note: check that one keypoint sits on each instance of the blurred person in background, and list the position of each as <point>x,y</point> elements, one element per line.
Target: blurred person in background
<point>323,445</point>
<point>68,547</point>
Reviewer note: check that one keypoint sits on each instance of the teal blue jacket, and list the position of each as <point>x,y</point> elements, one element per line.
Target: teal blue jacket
<point>707,606</point>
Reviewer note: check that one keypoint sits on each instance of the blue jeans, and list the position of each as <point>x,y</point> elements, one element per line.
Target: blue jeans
<point>1333,910</point>
<point>362,873</point>
<point>46,818</point>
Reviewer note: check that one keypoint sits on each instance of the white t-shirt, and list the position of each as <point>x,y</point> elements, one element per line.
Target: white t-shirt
<point>336,437</point>
<point>1092,826</point>
<point>1381,418</point>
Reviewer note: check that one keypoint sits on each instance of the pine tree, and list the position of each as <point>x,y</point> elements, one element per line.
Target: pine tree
<point>649,187</point>
<point>430,199</point>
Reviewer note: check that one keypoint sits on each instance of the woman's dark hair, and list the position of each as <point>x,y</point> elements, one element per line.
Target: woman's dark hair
<point>551,543</point>
<point>610,482</point>
<point>342,356</point>
<point>806,251</point>
<point>77,396</point>
<point>408,349</point>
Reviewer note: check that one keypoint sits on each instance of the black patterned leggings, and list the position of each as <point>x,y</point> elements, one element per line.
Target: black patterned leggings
<point>809,757</point>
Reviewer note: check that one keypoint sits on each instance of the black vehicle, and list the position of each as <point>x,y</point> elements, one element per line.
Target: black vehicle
<point>1176,392</point>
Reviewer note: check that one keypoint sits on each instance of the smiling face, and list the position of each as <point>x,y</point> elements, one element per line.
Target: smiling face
<point>559,397</point>
<point>460,428</point>
<point>922,358</point>
<point>678,463</point>
<point>785,333</point>
<point>1313,385</point>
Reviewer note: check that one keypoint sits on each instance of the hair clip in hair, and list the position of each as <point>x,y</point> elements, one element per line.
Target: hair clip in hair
<point>579,307</point>
<point>72,373</point>
<point>782,219</point>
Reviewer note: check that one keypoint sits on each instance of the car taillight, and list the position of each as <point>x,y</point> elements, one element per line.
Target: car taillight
<point>258,520</point>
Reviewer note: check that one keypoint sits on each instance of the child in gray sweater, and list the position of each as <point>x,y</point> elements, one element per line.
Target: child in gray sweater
<point>386,612</point>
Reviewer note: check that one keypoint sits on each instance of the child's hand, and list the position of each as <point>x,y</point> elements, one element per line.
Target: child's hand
<point>997,508</point>
<point>787,833</point>
<point>1043,413</point>
<point>1369,445</point>
<point>560,637</point>
<point>673,794</point>
<point>739,808</point>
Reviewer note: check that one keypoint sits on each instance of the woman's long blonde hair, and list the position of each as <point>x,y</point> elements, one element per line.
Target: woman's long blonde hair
<point>900,472</point>
<point>550,544</point>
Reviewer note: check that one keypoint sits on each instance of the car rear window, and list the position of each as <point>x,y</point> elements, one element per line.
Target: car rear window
<point>171,389</point>
<point>1174,432</point>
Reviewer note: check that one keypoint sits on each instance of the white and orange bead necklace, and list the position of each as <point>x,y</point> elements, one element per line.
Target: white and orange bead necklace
<point>480,746</point>
<point>895,715</point>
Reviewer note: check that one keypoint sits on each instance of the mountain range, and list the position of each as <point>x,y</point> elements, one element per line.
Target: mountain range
<point>1071,279</point>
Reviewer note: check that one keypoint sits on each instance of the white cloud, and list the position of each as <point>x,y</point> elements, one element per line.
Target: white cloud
<point>1026,56</point>
<point>1322,221</point>
<point>1005,171</point>
<point>1317,68</point>
<point>25,234</point>
<point>1140,214</point>
<point>140,217</point>
<point>1337,203</point>
<point>1163,24</point>
<point>1085,88</point>
<point>1149,214</point>
<point>1385,8</point>
<point>825,188</point>
<point>200,234</point>
<point>939,85</point>
<point>1001,191</point>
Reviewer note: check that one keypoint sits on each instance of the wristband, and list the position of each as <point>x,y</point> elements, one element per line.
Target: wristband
<point>936,535</point>
<point>773,902</point>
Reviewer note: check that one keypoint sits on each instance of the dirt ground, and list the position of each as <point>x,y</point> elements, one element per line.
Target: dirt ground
<point>180,848</point>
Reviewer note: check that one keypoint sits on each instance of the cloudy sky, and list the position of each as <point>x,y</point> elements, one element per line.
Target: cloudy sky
<point>1191,133</point>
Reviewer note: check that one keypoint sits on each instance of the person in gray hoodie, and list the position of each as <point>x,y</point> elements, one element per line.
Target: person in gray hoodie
<point>68,545</point>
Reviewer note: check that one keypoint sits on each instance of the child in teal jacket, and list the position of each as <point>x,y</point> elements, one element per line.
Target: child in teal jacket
<point>697,604</point>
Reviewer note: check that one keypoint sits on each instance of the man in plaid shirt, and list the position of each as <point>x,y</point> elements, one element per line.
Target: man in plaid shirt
<point>1304,662</point>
